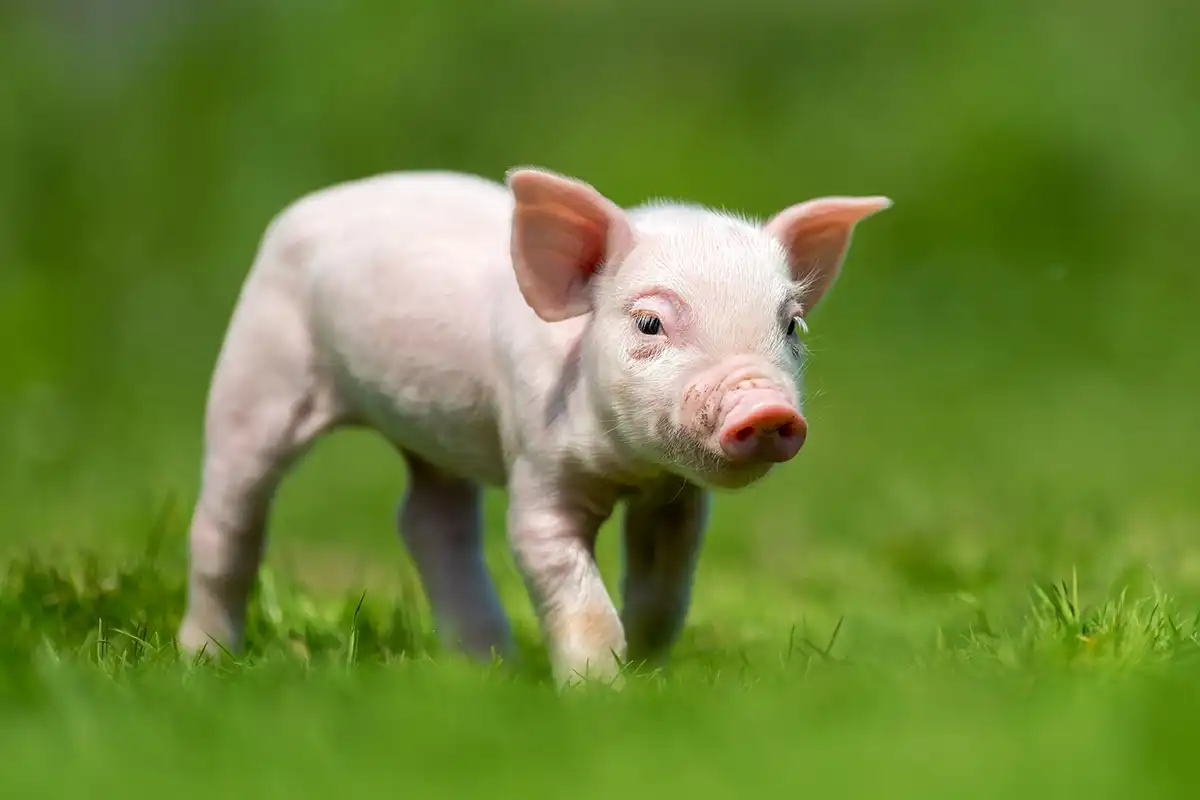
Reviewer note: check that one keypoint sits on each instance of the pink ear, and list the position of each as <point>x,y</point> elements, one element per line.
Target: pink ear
<point>816,235</point>
<point>563,232</point>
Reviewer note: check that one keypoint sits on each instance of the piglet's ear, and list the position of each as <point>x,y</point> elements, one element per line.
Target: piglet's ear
<point>816,235</point>
<point>563,232</point>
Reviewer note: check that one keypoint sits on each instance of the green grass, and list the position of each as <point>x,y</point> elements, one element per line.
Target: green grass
<point>347,693</point>
<point>280,730</point>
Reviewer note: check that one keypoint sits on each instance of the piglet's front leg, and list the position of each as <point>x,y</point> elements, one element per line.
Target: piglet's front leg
<point>552,533</point>
<point>663,532</point>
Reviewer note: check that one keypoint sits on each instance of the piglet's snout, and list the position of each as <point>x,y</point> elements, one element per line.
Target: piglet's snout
<point>761,425</point>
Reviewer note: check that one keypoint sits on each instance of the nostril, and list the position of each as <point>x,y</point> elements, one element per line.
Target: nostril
<point>761,426</point>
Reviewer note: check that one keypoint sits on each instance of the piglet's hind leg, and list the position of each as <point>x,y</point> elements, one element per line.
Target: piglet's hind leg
<point>266,406</point>
<point>440,521</point>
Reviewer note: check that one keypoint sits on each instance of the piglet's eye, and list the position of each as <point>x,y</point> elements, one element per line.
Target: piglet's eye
<point>796,324</point>
<point>651,326</point>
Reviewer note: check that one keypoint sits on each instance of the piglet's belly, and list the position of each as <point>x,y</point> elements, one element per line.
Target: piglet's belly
<point>450,432</point>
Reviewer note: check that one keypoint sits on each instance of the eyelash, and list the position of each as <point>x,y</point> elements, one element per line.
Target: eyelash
<point>648,325</point>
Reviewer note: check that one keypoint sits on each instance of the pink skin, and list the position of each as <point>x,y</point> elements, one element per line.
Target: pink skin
<point>531,336</point>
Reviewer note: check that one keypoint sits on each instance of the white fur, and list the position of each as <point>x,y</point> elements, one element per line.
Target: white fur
<point>390,302</point>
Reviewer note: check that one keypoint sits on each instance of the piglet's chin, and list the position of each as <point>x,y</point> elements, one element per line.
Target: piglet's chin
<point>733,476</point>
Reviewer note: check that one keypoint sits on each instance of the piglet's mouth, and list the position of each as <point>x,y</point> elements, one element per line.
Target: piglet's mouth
<point>760,426</point>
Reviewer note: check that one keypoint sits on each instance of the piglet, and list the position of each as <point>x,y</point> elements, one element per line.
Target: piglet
<point>533,336</point>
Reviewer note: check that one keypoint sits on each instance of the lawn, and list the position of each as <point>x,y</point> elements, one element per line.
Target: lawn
<point>905,696</point>
<point>980,578</point>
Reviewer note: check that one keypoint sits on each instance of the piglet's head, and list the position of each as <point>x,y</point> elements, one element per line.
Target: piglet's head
<point>692,355</point>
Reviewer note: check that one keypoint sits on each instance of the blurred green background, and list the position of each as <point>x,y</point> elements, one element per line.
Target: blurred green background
<point>1003,384</point>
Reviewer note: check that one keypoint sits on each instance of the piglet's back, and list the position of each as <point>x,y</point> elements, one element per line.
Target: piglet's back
<point>398,273</point>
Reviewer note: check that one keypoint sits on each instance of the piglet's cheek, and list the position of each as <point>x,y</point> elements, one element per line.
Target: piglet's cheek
<point>642,351</point>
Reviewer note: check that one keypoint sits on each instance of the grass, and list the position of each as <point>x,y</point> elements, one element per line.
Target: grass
<point>347,694</point>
